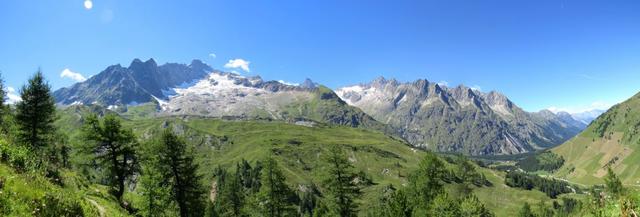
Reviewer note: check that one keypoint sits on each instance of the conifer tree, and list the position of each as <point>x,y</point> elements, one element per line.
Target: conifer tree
<point>36,113</point>
<point>472,207</point>
<point>231,198</point>
<point>180,172</point>
<point>426,182</point>
<point>113,147</point>
<point>613,183</point>
<point>338,181</point>
<point>3,98</point>
<point>274,192</point>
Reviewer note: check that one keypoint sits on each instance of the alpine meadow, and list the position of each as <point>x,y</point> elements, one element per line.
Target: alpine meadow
<point>319,108</point>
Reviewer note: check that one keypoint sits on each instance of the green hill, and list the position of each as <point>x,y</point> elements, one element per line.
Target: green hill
<point>613,140</point>
<point>299,148</point>
<point>29,193</point>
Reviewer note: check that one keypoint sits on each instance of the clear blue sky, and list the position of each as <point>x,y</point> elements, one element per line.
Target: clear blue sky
<point>562,53</point>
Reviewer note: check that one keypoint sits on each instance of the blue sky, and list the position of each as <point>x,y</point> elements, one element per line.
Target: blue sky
<point>572,54</point>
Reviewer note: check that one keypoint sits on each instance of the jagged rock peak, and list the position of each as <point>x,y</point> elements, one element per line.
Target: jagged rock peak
<point>309,84</point>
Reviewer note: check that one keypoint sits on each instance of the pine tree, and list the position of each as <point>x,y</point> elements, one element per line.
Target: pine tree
<point>426,182</point>
<point>113,147</point>
<point>339,183</point>
<point>444,206</point>
<point>472,207</point>
<point>3,98</point>
<point>155,195</point>
<point>181,172</point>
<point>274,192</point>
<point>36,113</point>
<point>613,183</point>
<point>231,198</point>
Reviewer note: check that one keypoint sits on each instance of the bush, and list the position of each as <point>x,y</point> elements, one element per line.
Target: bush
<point>58,205</point>
<point>16,156</point>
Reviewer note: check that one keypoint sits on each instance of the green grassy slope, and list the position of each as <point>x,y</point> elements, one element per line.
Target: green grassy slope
<point>299,150</point>
<point>26,193</point>
<point>611,140</point>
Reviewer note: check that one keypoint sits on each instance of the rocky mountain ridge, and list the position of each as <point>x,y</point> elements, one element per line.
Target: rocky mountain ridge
<point>458,119</point>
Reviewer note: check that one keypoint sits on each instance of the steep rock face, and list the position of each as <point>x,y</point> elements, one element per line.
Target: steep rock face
<point>457,119</point>
<point>197,89</point>
<point>140,82</point>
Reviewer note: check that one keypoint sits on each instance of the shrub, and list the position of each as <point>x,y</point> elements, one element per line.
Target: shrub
<point>57,204</point>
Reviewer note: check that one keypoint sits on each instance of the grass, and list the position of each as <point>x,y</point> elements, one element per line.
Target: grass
<point>25,190</point>
<point>299,150</point>
<point>611,140</point>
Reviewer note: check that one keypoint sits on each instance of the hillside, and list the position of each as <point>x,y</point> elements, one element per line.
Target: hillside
<point>459,119</point>
<point>611,140</point>
<point>299,148</point>
<point>29,193</point>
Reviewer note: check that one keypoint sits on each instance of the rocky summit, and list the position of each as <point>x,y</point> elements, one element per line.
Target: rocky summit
<point>459,119</point>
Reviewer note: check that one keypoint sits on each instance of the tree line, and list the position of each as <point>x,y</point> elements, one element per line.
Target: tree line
<point>165,173</point>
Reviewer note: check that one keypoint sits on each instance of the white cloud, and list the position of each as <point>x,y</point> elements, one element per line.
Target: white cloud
<point>238,63</point>
<point>212,55</point>
<point>12,96</point>
<point>66,73</point>
<point>476,88</point>
<point>597,105</point>
<point>288,83</point>
<point>443,83</point>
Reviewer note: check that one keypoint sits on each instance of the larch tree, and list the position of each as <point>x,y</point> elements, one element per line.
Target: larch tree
<point>180,172</point>
<point>274,192</point>
<point>339,182</point>
<point>113,147</point>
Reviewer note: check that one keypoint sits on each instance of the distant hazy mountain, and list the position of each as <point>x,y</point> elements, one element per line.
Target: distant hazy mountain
<point>611,140</point>
<point>197,89</point>
<point>587,117</point>
<point>459,119</point>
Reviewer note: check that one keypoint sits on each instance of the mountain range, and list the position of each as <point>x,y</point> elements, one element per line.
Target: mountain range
<point>459,119</point>
<point>425,114</point>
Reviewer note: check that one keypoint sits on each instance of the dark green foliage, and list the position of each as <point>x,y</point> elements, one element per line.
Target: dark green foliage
<point>36,113</point>
<point>613,183</point>
<point>394,204</point>
<point>179,174</point>
<point>309,200</point>
<point>3,98</point>
<point>339,182</point>
<point>113,147</point>
<point>250,176</point>
<point>230,199</point>
<point>547,161</point>
<point>275,195</point>
<point>551,187</point>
